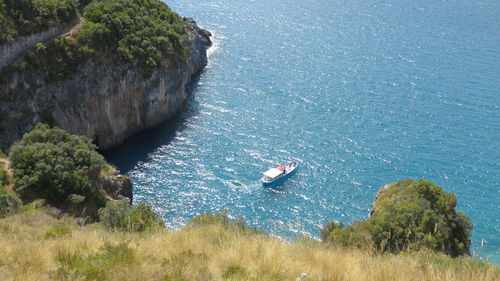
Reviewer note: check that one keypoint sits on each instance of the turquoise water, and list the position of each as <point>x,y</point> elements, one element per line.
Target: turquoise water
<point>361,93</point>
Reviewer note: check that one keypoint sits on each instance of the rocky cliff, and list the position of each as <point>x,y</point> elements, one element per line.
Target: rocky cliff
<point>103,101</point>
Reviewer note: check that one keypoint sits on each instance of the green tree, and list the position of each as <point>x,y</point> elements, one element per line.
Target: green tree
<point>52,164</point>
<point>145,33</point>
<point>115,212</point>
<point>329,227</point>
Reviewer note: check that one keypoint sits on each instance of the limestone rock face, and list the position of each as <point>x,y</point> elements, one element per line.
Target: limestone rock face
<point>104,102</point>
<point>118,187</point>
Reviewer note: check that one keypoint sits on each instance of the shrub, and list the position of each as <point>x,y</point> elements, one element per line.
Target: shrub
<point>329,227</point>
<point>68,53</point>
<point>54,165</point>
<point>115,212</point>
<point>409,215</point>
<point>38,204</point>
<point>9,203</point>
<point>120,215</point>
<point>76,199</point>
<point>142,218</point>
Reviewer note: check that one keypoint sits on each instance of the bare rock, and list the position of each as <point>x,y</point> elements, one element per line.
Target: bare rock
<point>55,212</point>
<point>81,221</point>
<point>303,276</point>
<point>118,186</point>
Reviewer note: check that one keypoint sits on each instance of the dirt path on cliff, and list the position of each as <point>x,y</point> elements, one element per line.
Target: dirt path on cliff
<point>73,30</point>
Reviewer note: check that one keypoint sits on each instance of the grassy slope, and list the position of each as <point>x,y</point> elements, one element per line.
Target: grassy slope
<point>35,246</point>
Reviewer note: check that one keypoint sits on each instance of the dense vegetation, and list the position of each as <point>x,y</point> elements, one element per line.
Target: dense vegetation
<point>65,171</point>
<point>24,17</point>
<point>57,60</point>
<point>408,215</point>
<point>61,168</point>
<point>143,33</point>
<point>120,215</point>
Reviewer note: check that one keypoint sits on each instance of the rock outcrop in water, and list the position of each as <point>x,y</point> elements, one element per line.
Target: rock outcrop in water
<point>105,102</point>
<point>408,215</point>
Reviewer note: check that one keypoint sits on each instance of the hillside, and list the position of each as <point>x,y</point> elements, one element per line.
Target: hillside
<point>36,246</point>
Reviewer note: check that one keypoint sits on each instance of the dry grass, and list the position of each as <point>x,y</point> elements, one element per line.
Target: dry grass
<point>5,170</point>
<point>108,170</point>
<point>210,252</point>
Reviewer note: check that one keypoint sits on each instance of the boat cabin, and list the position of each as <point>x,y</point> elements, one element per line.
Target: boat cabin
<point>273,173</point>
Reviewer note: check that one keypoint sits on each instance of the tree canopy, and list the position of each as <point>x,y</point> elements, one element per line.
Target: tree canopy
<point>24,17</point>
<point>145,32</point>
<point>61,168</point>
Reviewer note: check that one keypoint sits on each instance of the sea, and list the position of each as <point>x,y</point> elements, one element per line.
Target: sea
<point>360,92</point>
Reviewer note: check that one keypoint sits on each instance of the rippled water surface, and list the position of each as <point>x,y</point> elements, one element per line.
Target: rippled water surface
<point>361,93</point>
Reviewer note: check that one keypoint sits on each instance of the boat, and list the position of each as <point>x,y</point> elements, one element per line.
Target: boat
<point>279,174</point>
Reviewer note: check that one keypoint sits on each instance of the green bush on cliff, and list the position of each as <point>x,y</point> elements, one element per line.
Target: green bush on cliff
<point>57,60</point>
<point>144,32</point>
<point>114,213</point>
<point>52,164</point>
<point>408,215</point>
<point>142,218</point>
<point>120,215</point>
<point>24,17</point>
